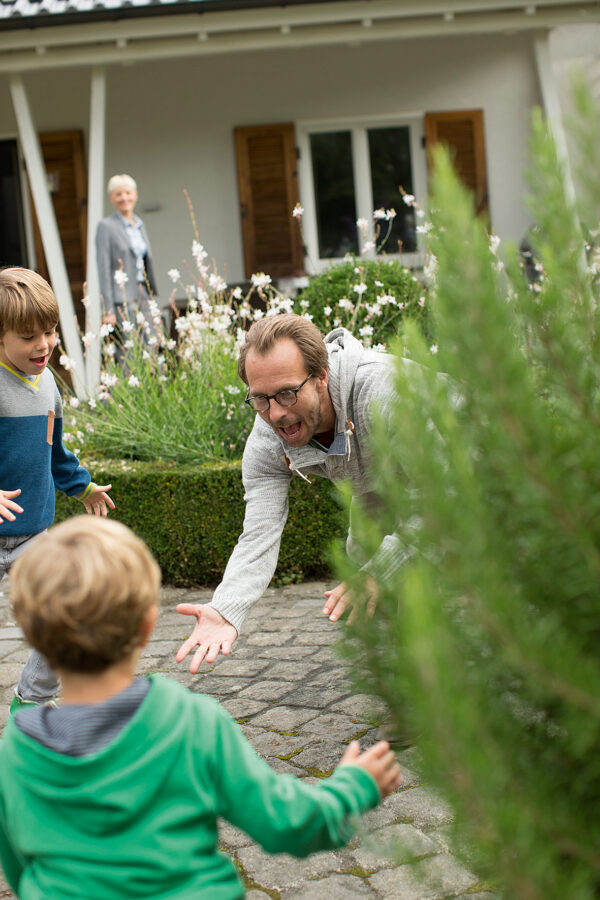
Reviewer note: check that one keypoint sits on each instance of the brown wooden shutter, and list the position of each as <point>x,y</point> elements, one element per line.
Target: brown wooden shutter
<point>462,132</point>
<point>268,191</point>
<point>65,167</point>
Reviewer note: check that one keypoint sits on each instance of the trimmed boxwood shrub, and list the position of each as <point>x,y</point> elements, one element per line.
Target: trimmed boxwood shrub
<point>191,517</point>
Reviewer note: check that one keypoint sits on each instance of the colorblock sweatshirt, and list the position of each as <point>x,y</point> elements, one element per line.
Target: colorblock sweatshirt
<point>138,818</point>
<point>32,454</point>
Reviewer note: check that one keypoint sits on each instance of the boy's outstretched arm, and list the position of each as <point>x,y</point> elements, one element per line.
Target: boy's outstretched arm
<point>7,505</point>
<point>98,501</point>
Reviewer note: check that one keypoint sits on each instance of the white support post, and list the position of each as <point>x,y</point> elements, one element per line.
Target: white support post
<point>551,104</point>
<point>49,231</point>
<point>93,318</point>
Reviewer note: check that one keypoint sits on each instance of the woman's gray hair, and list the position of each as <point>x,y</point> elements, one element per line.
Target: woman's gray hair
<point>118,181</point>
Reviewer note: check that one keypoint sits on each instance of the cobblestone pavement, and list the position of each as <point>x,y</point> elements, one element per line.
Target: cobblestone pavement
<point>289,692</point>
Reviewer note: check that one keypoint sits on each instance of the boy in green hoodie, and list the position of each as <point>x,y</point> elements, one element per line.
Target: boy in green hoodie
<point>117,793</point>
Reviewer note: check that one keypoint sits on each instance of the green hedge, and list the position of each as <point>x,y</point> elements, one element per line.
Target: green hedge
<point>191,517</point>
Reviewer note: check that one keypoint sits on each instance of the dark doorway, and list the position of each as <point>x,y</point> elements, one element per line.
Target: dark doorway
<point>13,248</point>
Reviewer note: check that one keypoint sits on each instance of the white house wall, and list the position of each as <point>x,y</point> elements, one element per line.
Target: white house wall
<point>170,123</point>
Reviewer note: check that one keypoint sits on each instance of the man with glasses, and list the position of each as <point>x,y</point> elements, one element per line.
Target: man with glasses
<point>313,398</point>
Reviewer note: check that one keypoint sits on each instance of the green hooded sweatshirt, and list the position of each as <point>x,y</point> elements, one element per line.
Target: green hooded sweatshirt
<point>139,817</point>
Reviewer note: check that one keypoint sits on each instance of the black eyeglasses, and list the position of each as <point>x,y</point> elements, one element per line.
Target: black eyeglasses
<point>289,397</point>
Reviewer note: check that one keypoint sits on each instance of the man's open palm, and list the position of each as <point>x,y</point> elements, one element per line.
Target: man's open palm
<point>212,634</point>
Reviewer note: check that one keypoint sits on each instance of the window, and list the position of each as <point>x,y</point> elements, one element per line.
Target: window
<point>350,170</point>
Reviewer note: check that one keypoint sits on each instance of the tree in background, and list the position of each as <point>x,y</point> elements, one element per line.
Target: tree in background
<point>485,642</point>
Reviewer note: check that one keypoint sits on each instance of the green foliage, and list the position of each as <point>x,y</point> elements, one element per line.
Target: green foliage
<point>389,294</point>
<point>190,516</point>
<point>165,406</point>
<point>484,643</point>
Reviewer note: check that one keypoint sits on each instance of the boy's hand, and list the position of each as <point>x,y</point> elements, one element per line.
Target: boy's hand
<point>97,502</point>
<point>212,633</point>
<point>7,504</point>
<point>379,761</point>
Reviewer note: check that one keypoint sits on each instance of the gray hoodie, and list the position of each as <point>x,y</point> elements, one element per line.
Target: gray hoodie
<point>359,379</point>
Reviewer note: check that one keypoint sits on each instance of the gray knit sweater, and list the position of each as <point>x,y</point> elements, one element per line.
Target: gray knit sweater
<point>359,380</point>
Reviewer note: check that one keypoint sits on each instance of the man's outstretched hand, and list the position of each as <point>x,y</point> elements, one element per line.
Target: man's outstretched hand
<point>212,634</point>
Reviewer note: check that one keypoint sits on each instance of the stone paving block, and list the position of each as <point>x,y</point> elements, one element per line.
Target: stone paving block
<point>10,633</point>
<point>333,887</point>
<point>258,639</point>
<point>295,670</point>
<point>257,895</point>
<point>392,845</point>
<point>162,648</point>
<point>282,652</point>
<point>239,709</point>
<point>285,768</point>
<point>317,697</point>
<point>364,705</point>
<point>232,838</point>
<point>9,646</point>
<point>9,673</point>
<point>319,638</point>
<point>279,871</point>
<point>214,686</point>
<point>267,690</point>
<point>421,806</point>
<point>18,657</point>
<point>341,727</point>
<point>271,743</point>
<point>322,756</point>
<point>241,667</point>
<point>284,718</point>
<point>429,879</point>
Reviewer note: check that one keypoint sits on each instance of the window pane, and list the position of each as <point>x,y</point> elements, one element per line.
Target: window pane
<point>389,151</point>
<point>334,193</point>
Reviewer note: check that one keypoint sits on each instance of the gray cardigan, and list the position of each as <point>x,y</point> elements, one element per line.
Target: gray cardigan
<point>112,247</point>
<point>359,380</point>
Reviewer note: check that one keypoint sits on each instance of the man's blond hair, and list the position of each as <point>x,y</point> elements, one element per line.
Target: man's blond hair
<point>82,591</point>
<point>27,302</point>
<point>264,334</point>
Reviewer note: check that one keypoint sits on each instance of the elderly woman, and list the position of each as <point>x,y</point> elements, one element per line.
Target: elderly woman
<point>122,246</point>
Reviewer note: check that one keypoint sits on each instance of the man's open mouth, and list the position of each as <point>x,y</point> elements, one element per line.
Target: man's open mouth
<point>292,431</point>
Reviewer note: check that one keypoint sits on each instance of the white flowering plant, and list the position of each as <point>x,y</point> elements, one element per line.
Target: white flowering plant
<point>369,297</point>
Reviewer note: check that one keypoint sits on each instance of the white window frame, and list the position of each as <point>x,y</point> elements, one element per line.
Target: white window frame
<point>358,128</point>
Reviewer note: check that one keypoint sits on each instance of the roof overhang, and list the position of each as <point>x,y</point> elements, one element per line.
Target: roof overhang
<point>214,27</point>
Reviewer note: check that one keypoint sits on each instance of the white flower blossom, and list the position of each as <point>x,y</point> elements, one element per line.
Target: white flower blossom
<point>128,345</point>
<point>304,304</point>
<point>127,326</point>
<point>109,349</point>
<point>260,280</point>
<point>360,288</point>
<point>409,199</point>
<point>494,243</point>
<point>433,348</point>
<point>66,362</point>
<point>74,403</point>
<point>140,318</point>
<point>108,379</point>
<point>368,246</point>
<point>344,303</point>
<point>232,389</point>
<point>426,228</point>
<point>298,211</point>
<point>327,310</point>
<point>171,344</point>
<point>379,214</point>
<point>390,214</point>
<point>88,339</point>
<point>106,329</point>
<point>120,277</point>
<point>92,403</point>
<point>217,283</point>
<point>237,293</point>
<point>174,275</point>
<point>133,381</point>
<point>363,224</point>
<point>421,301</point>
<point>366,331</point>
<point>85,302</point>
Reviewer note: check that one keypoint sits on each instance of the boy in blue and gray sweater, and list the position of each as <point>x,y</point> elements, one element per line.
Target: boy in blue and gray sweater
<point>33,458</point>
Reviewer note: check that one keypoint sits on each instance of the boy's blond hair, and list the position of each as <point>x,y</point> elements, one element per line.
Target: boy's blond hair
<point>264,333</point>
<point>27,302</point>
<point>82,591</point>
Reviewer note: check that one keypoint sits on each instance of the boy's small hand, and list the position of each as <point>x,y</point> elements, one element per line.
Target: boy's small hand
<point>97,502</point>
<point>7,504</point>
<point>379,761</point>
<point>212,633</point>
